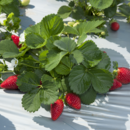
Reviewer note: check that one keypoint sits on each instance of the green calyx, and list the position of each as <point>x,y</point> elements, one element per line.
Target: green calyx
<point>115,67</point>
<point>114,73</point>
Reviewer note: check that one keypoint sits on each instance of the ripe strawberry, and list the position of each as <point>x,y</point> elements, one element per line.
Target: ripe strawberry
<point>10,83</point>
<point>123,75</point>
<point>73,100</point>
<point>16,40</point>
<point>115,26</point>
<point>56,109</point>
<point>116,84</point>
<point>104,52</point>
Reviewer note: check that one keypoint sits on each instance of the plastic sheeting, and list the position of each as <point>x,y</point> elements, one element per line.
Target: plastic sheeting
<point>110,111</point>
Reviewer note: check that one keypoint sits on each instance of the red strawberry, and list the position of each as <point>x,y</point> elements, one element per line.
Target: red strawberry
<point>115,26</point>
<point>16,40</point>
<point>123,75</point>
<point>73,100</point>
<point>10,83</point>
<point>116,84</point>
<point>56,109</point>
<point>104,52</point>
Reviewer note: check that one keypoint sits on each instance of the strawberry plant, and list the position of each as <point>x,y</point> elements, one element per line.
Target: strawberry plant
<point>95,10</point>
<point>51,64</point>
<point>124,10</point>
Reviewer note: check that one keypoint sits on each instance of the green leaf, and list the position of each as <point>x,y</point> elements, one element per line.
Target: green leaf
<point>28,61</point>
<point>95,30</point>
<point>101,4</point>
<point>89,96</point>
<point>5,2</point>
<point>72,59</point>
<point>28,81</point>
<point>81,38</point>
<point>70,30</point>
<point>115,65</point>
<point>71,4</point>
<point>33,29</point>
<point>79,79</point>
<point>39,72</point>
<point>78,13</point>
<point>50,42</point>
<point>22,53</point>
<point>51,81</point>
<point>78,56</point>
<point>0,9</point>
<point>120,1</point>
<point>34,41</point>
<point>12,7</point>
<point>8,49</point>
<point>87,46</point>
<point>111,11</point>
<point>54,59</point>
<point>125,9</point>
<point>48,96</point>
<point>92,59</point>
<point>92,55</point>
<point>64,67</point>
<point>43,55</point>
<point>45,78</point>
<point>65,44</point>
<point>54,74</point>
<point>105,63</point>
<point>20,69</point>
<point>31,101</point>
<point>49,91</point>
<point>101,80</point>
<point>65,85</point>
<point>51,25</point>
<point>64,11</point>
<point>87,27</point>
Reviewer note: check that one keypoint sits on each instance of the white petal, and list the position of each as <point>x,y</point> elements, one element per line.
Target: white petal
<point>11,22</point>
<point>3,15</point>
<point>22,37</point>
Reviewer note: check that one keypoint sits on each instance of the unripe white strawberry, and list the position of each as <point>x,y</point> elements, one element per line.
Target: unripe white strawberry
<point>24,2</point>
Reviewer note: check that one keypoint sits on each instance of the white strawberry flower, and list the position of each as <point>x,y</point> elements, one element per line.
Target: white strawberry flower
<point>11,22</point>
<point>14,62</point>
<point>2,17</point>
<point>22,37</point>
<point>14,33</point>
<point>20,27</point>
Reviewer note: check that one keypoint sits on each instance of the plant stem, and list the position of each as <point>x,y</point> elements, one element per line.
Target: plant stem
<point>29,66</point>
<point>6,71</point>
